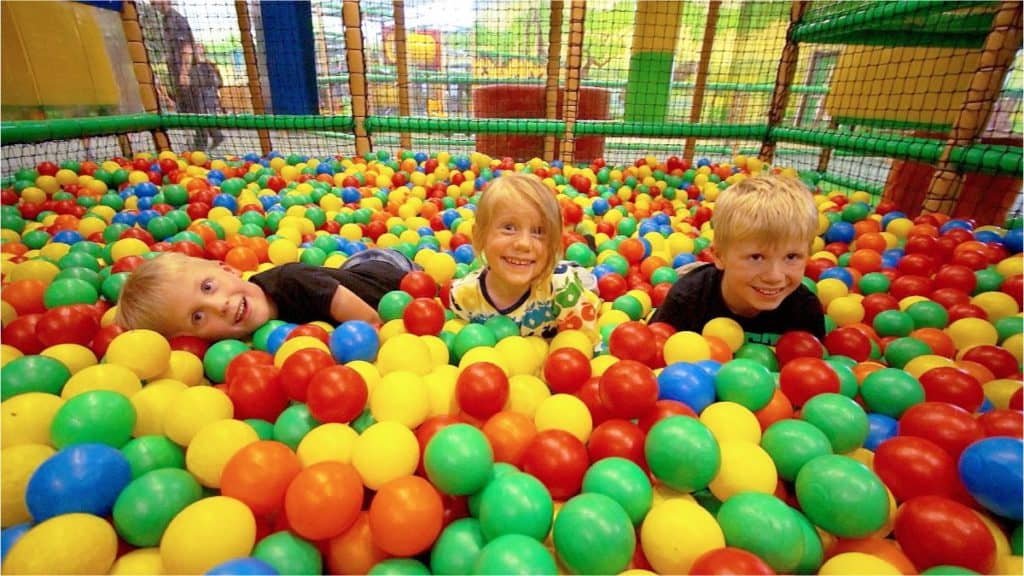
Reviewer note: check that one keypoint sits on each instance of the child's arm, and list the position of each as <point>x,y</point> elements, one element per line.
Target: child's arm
<point>345,305</point>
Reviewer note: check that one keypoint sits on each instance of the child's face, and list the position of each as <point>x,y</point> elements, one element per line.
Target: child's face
<point>758,276</point>
<point>214,303</point>
<point>516,247</point>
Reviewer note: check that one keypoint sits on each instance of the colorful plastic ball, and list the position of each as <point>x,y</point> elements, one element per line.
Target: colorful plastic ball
<point>880,429</point>
<point>458,460</point>
<point>593,534</point>
<point>729,421</point>
<point>857,563</point>
<point>514,554</point>
<point>99,416</point>
<point>458,547</point>
<point>26,418</point>
<point>32,374</point>
<point>682,453</point>
<point>147,505</point>
<point>729,560</point>
<point>804,378</point>
<point>242,567</point>
<point>628,389</point>
<point>19,463</point>
<point>289,554</point>
<point>69,291</point>
<point>745,467</point>
<point>206,533</point>
<point>625,482</point>
<point>323,500</point>
<point>924,531</point>
<point>686,346</point>
<point>841,419</point>
<point>564,412</point>
<point>727,329</point>
<point>797,344</point>
<point>687,383</point>
<point>482,389</point>
<point>148,453</point>
<point>842,496</point>
<point>991,470</point>
<point>745,382</point>
<point>566,370</point>
<point>891,391</point>
<point>969,332</point>
<point>82,478</point>
<point>901,351</point>
<point>793,443</point>
<point>46,548</point>
<point>406,516</point>
<point>110,377</point>
<point>219,356</point>
<point>192,409</point>
<point>383,452</point>
<point>213,446</point>
<point>764,525</point>
<point>354,340</point>
<point>404,352</point>
<point>515,503</point>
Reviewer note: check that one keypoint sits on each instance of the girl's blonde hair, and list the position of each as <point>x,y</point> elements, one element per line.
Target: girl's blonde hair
<point>138,306</point>
<point>520,187</point>
<point>772,209</point>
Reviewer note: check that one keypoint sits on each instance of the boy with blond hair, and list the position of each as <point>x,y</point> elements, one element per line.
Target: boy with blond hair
<point>763,230</point>
<point>178,295</point>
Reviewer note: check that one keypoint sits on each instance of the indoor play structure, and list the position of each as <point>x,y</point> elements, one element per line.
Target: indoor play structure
<point>262,133</point>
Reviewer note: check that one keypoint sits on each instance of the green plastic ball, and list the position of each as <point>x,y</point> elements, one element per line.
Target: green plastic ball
<point>97,416</point>
<point>69,291</point>
<point>843,421</point>
<point>629,304</point>
<point>792,443</point>
<point>399,567</point>
<point>148,453</point>
<point>843,367</point>
<point>392,305</point>
<point>745,382</point>
<point>623,481</point>
<point>502,326</point>
<point>289,554</point>
<point>594,535</point>
<point>891,391</point>
<point>928,314</point>
<point>471,336</point>
<point>515,503</point>
<point>682,453</point>
<point>874,283</point>
<point>759,353</point>
<point>988,280</point>
<point>458,460</point>
<point>581,254</point>
<point>514,554</point>
<point>147,505</point>
<point>902,350</point>
<point>32,374</point>
<point>763,524</point>
<point>457,548</point>
<point>893,323</point>
<point>842,496</point>
<point>293,424</point>
<point>219,355</point>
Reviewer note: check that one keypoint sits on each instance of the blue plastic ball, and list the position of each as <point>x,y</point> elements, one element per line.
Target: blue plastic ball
<point>1014,241</point>
<point>992,470</point>
<point>838,273</point>
<point>242,567</point>
<point>464,254</point>
<point>354,340</point>
<point>8,537</point>
<point>683,259</point>
<point>81,478</point>
<point>840,232</point>
<point>278,336</point>
<point>66,237</point>
<point>880,429</point>
<point>687,383</point>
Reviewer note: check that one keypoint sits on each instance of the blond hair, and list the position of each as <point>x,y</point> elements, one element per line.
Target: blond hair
<point>521,187</point>
<point>773,209</point>
<point>138,306</point>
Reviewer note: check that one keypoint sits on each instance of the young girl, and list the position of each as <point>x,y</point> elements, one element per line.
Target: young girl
<point>518,235</point>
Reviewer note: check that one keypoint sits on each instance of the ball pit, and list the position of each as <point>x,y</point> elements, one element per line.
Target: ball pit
<point>427,444</point>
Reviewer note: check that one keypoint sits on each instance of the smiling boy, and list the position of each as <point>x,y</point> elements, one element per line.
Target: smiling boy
<point>763,230</point>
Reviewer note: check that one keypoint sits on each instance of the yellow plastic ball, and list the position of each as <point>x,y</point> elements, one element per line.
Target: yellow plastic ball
<point>282,251</point>
<point>331,442</point>
<point>26,418</point>
<point>7,315</point>
<point>438,350</point>
<point>207,533</point>
<point>404,352</point>
<point>293,345</point>
<point>383,452</point>
<point>997,305</point>
<point>151,404</point>
<point>899,227</point>
<point>599,364</point>
<point>676,532</point>
<point>855,563</point>
<point>731,422</point>
<point>440,385</point>
<point>1010,266</point>
<point>744,467</point>
<point>921,364</point>
<point>145,352</point>
<point>726,329</point>
<point>686,346</point>
<point>1000,390</point>
<point>1015,345</point>
<point>369,372</point>
<point>572,339</point>
<point>392,328</point>
<point>484,354</point>
<point>17,464</point>
<point>212,447</point>
<point>831,288</point>
<point>67,544</point>
<point>525,393</point>
<point>845,310</point>
<point>968,332</point>
<point>42,270</point>
<point>192,409</point>
<point>564,412</point>
<point>74,356</point>
<point>114,377</point>
<point>128,247</point>
<point>519,354</point>
<point>185,367</point>
<point>140,561</point>
<point>400,397</point>
<point>441,267</point>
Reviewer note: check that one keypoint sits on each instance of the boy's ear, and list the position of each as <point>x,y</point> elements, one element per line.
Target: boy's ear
<point>716,257</point>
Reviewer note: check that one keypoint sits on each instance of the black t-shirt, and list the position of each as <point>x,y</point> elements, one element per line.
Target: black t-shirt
<point>303,293</point>
<point>696,298</point>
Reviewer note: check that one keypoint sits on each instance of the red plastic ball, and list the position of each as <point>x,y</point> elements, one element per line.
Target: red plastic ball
<point>911,467</point>
<point>1003,422</point>
<point>566,370</point>
<point>875,304</point>
<point>25,296</point>
<point>798,344</point>
<point>628,389</point>
<point>849,342</point>
<point>336,394</point>
<point>256,392</point>
<point>423,317</point>
<point>245,360</point>
<point>936,531</point>
<point>954,386</point>
<point>950,427</point>
<point>299,369</point>
<point>949,297</point>
<point>999,360</point>
<point>611,286</point>
<point>100,341</point>
<point>418,284</point>
<point>559,460</point>
<point>956,276</point>
<point>21,333</point>
<point>72,324</point>
<point>632,341</point>
<point>311,330</point>
<point>618,438</point>
<point>727,561</point>
<point>804,378</point>
<point>966,310</point>
<point>918,264</point>
<point>590,395</point>
<point>910,285</point>
<point>482,390</point>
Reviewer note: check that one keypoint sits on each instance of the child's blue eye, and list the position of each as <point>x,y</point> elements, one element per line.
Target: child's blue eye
<point>198,317</point>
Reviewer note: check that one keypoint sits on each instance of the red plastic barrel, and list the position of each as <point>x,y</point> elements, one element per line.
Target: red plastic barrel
<point>526,101</point>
